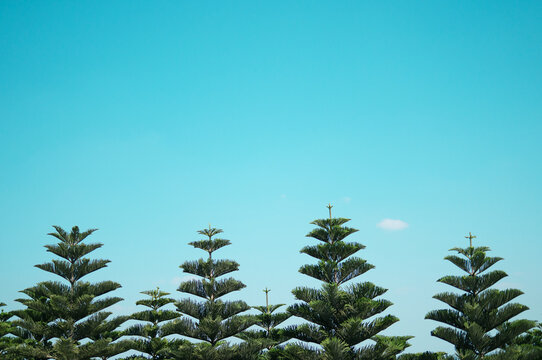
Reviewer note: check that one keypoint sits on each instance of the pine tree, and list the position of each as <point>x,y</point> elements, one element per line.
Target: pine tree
<point>479,321</point>
<point>212,320</point>
<point>69,312</point>
<point>150,335</point>
<point>268,336</point>
<point>338,313</point>
<point>7,342</point>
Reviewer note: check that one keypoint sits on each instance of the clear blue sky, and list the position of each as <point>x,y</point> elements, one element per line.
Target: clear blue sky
<point>149,120</point>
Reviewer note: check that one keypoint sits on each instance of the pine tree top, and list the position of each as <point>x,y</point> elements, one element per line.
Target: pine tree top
<point>153,315</point>
<point>210,245</point>
<point>269,309</point>
<point>480,318</point>
<point>69,312</point>
<point>157,299</point>
<point>149,332</point>
<point>331,230</point>
<point>74,265</point>
<point>268,336</point>
<point>210,269</point>
<point>474,260</point>
<point>74,237</point>
<point>210,287</point>
<point>210,232</point>
<point>338,314</point>
<point>336,263</point>
<point>211,320</point>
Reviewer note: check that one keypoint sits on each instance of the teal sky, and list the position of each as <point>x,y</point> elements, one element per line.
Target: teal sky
<point>150,120</point>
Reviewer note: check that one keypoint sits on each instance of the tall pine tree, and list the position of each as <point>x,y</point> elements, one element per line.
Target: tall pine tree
<point>211,320</point>
<point>62,316</point>
<point>479,321</point>
<point>150,336</point>
<point>341,317</point>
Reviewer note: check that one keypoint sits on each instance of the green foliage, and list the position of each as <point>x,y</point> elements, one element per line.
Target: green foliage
<point>210,320</point>
<point>106,337</point>
<point>65,320</point>
<point>337,314</point>
<point>479,321</point>
<point>267,336</point>
<point>525,347</point>
<point>385,348</point>
<point>5,329</point>
<point>8,342</point>
<point>426,356</point>
<point>32,325</point>
<point>150,336</point>
<point>220,351</point>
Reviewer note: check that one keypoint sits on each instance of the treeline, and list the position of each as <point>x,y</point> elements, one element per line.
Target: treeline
<point>68,319</point>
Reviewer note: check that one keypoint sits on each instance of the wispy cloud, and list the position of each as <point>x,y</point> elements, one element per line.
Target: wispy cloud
<point>346,199</point>
<point>392,224</point>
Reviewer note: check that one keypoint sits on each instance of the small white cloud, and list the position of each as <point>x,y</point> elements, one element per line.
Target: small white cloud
<point>283,196</point>
<point>347,199</point>
<point>392,224</point>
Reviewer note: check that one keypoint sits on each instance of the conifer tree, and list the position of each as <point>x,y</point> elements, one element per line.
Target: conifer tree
<point>338,314</point>
<point>479,321</point>
<point>150,335</point>
<point>268,336</point>
<point>212,320</point>
<point>70,311</point>
<point>7,342</point>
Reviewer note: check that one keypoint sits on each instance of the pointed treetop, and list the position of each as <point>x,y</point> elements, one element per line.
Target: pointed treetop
<point>210,244</point>
<point>266,291</point>
<point>73,238</point>
<point>210,232</point>
<point>470,237</point>
<point>157,300</point>
<point>329,206</point>
<point>73,265</point>
<point>155,294</point>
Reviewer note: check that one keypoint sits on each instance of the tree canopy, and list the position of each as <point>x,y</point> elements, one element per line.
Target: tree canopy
<point>341,316</point>
<point>479,320</point>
